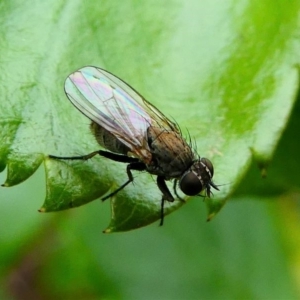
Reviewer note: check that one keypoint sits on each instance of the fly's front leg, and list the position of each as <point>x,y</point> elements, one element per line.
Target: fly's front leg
<point>175,190</point>
<point>137,166</point>
<point>166,196</point>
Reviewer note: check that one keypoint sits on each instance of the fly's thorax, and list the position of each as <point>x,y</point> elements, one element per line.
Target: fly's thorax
<point>197,178</point>
<point>108,140</point>
<point>171,154</point>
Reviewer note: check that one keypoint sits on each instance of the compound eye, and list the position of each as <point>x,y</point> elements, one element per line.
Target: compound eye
<point>208,164</point>
<point>190,184</point>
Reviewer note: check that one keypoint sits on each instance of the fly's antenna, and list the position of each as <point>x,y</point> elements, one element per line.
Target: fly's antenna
<point>215,186</point>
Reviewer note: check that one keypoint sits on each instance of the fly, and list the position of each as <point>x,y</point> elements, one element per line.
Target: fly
<point>137,133</point>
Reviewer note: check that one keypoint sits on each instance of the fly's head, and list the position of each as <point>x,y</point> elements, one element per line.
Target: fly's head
<point>198,178</point>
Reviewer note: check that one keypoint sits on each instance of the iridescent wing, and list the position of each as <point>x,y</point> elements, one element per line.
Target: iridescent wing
<point>114,105</point>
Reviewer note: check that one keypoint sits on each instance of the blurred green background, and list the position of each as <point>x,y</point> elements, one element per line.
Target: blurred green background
<point>250,250</point>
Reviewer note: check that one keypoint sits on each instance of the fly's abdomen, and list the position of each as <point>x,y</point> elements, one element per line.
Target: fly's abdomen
<point>171,155</point>
<point>108,140</point>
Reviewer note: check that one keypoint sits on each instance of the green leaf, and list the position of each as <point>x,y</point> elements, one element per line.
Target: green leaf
<point>226,72</point>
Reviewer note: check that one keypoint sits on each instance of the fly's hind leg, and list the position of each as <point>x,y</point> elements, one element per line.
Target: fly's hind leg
<point>134,164</point>
<point>107,154</point>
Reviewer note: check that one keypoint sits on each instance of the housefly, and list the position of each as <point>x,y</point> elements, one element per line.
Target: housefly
<point>137,133</point>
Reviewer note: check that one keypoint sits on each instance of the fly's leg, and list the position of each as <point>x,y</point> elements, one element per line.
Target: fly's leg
<point>137,166</point>
<point>134,164</point>
<point>166,196</point>
<point>175,190</point>
<point>107,154</point>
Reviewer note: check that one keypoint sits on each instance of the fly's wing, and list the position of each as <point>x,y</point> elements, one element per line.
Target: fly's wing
<point>114,105</point>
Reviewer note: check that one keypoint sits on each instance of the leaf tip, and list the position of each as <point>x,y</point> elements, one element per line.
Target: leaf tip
<point>107,230</point>
<point>42,210</point>
<point>210,217</point>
